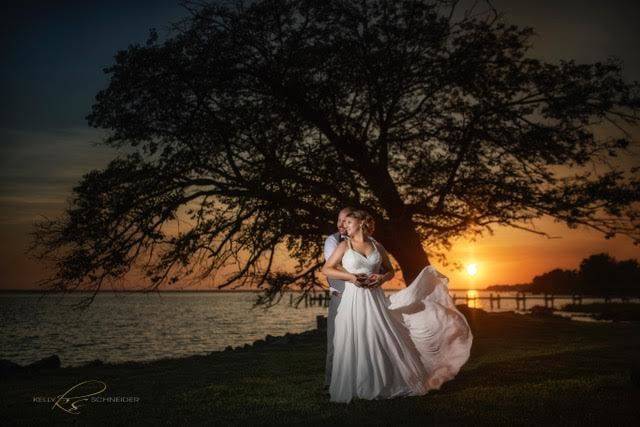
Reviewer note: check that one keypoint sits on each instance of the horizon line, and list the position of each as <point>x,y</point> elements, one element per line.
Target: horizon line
<point>196,290</point>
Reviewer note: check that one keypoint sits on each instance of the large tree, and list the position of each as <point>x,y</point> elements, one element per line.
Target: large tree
<point>256,123</point>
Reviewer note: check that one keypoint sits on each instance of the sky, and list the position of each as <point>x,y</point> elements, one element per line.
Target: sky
<point>53,54</point>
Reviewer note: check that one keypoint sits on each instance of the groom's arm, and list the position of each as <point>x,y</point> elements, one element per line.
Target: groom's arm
<point>330,246</point>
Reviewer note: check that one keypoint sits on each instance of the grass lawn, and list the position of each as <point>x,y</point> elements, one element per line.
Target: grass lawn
<point>523,370</point>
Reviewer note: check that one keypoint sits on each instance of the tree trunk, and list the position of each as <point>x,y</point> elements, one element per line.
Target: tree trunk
<point>402,241</point>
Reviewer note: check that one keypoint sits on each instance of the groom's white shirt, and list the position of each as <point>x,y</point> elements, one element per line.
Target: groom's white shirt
<point>330,245</point>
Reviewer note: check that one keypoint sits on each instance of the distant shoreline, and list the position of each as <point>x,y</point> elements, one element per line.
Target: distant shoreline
<point>294,291</point>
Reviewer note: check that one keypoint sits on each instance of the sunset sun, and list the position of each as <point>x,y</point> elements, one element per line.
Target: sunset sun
<point>472,269</point>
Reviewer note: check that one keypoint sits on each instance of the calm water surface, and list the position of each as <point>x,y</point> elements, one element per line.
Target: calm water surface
<point>133,326</point>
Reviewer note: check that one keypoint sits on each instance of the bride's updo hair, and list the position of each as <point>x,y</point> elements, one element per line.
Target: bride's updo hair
<point>368,224</point>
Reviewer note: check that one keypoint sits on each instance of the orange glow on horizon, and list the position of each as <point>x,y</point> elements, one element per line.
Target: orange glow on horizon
<point>509,256</point>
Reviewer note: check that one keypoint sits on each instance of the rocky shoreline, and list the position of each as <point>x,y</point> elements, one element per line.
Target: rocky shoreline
<point>8,368</point>
<point>279,341</point>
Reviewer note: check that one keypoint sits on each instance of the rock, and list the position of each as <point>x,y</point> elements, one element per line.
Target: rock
<point>281,341</point>
<point>8,368</point>
<point>307,336</point>
<point>539,310</point>
<point>473,315</point>
<point>321,322</point>
<point>635,374</point>
<point>471,312</point>
<point>51,362</point>
<point>93,363</point>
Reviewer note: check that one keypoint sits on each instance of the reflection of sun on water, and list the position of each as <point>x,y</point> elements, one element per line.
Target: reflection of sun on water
<point>472,271</point>
<point>472,294</point>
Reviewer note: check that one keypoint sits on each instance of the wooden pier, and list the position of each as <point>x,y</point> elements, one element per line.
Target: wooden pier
<point>322,299</point>
<point>522,298</point>
<point>311,300</point>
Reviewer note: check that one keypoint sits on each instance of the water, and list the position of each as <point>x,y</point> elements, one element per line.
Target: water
<point>135,326</point>
<point>123,327</point>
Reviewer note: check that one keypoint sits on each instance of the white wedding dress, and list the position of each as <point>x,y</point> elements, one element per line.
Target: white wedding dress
<point>402,345</point>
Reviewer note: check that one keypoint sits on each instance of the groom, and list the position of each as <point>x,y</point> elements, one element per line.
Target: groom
<point>336,287</point>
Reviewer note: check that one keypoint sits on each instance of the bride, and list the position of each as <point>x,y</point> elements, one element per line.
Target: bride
<point>385,347</point>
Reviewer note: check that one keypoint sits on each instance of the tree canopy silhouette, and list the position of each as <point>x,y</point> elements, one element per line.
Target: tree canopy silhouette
<point>598,274</point>
<point>254,124</point>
